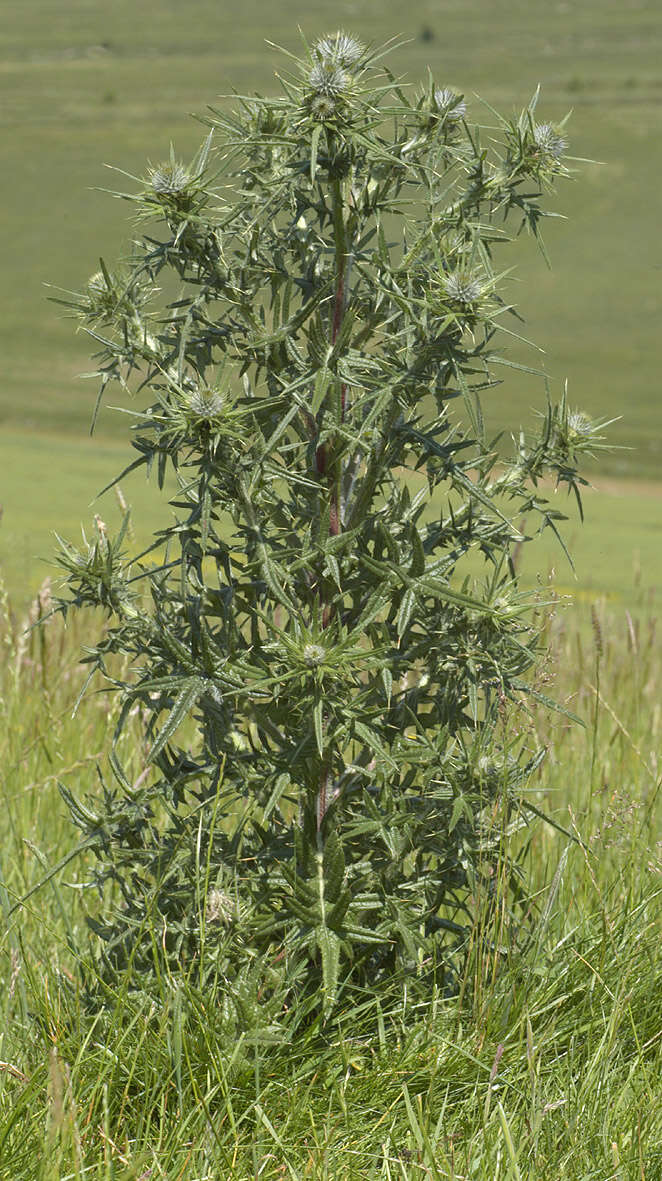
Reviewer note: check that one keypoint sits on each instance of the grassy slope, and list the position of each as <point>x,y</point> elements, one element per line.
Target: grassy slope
<point>549,1067</point>
<point>79,89</point>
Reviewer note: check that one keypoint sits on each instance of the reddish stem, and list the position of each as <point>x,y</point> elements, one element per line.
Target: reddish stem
<point>321,460</point>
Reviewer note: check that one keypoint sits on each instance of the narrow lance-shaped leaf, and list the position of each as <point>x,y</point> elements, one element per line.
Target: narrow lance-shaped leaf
<point>184,702</point>
<point>318,726</point>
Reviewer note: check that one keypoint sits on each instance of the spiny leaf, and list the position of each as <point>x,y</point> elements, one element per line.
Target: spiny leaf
<point>333,866</point>
<point>373,741</point>
<point>314,144</point>
<point>407,605</point>
<point>329,945</point>
<point>188,696</point>
<point>387,681</point>
<point>318,725</point>
<point>280,786</point>
<point>418,554</point>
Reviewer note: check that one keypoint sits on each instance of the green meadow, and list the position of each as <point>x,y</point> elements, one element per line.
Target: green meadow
<point>549,1065</point>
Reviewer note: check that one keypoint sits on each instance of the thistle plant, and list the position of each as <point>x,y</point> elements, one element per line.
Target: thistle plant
<point>328,639</point>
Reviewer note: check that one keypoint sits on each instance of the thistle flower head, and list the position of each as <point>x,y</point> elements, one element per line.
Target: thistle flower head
<point>573,429</point>
<point>550,140</point>
<point>322,107</point>
<point>97,285</point>
<point>107,295</point>
<point>449,104</point>
<point>313,655</point>
<point>339,49</point>
<point>329,84</point>
<point>169,179</point>
<point>329,79</point>
<point>463,287</point>
<point>205,404</point>
<point>99,297</point>
<point>579,425</point>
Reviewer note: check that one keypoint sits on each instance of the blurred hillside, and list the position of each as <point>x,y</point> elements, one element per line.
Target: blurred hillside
<point>84,84</point>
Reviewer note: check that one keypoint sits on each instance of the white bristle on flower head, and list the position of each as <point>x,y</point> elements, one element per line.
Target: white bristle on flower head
<point>579,423</point>
<point>328,79</point>
<point>96,284</point>
<point>450,104</point>
<point>550,140</point>
<point>205,403</point>
<point>313,655</point>
<point>339,49</point>
<point>463,288</point>
<point>169,179</point>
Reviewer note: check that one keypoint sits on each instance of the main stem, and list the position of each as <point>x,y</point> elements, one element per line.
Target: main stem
<point>327,465</point>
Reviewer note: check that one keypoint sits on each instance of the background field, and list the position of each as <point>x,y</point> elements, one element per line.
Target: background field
<point>83,83</point>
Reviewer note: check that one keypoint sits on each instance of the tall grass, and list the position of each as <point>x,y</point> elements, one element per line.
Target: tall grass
<point>548,1065</point>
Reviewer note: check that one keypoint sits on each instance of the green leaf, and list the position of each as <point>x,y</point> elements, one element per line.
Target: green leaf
<point>333,866</point>
<point>419,1132</point>
<point>188,696</point>
<point>333,569</point>
<point>373,741</point>
<point>339,909</point>
<point>314,144</point>
<point>461,810</point>
<point>323,381</point>
<point>547,701</point>
<point>472,691</point>
<point>376,603</point>
<point>507,1135</point>
<point>318,725</point>
<point>281,784</point>
<point>205,514</point>
<point>407,605</point>
<point>418,554</point>
<point>439,590</point>
<point>329,945</point>
<point>270,573</point>
<point>359,934</point>
<point>280,430</point>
